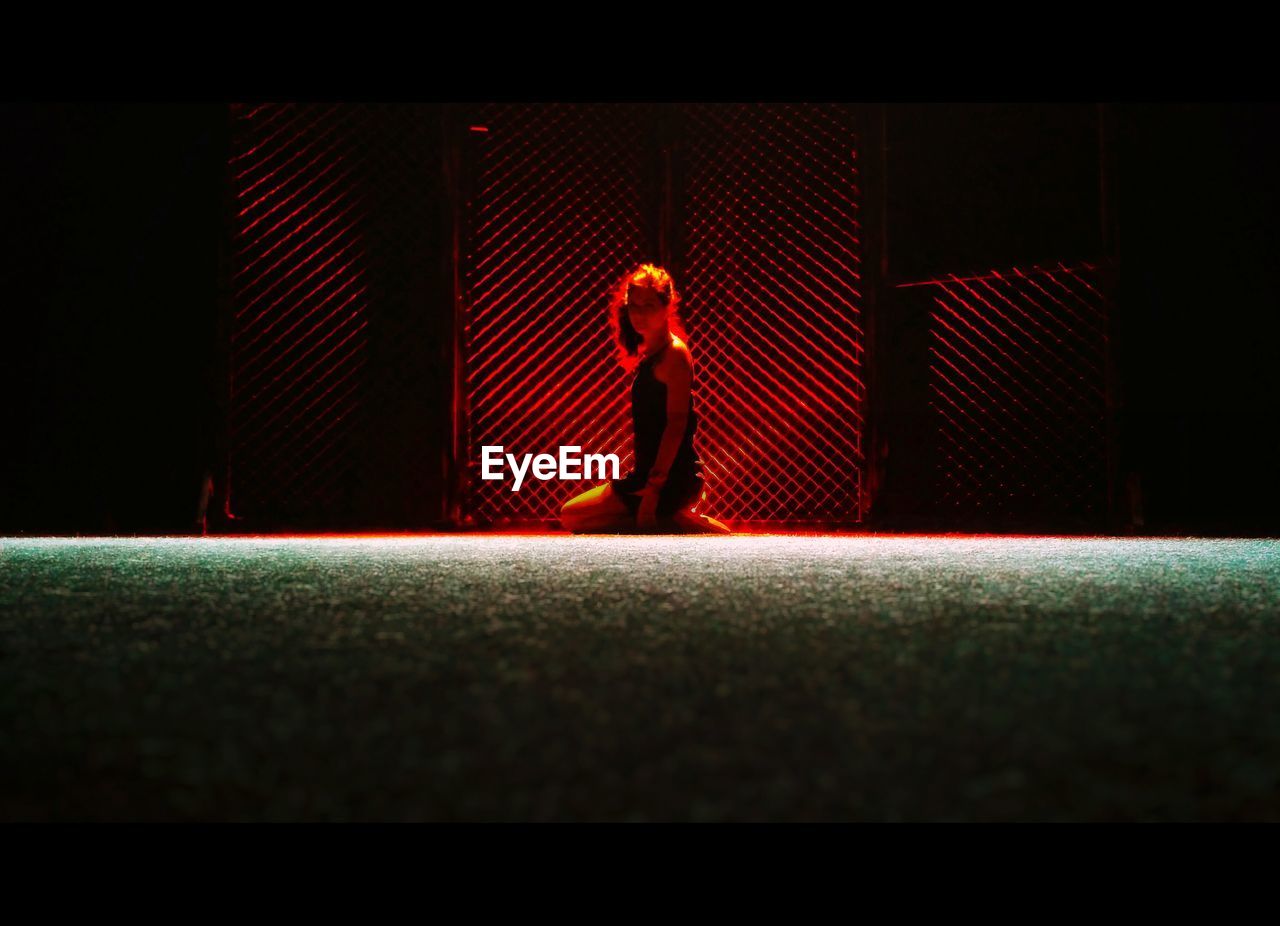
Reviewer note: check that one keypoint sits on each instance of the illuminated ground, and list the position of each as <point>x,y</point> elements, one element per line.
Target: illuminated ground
<point>640,678</point>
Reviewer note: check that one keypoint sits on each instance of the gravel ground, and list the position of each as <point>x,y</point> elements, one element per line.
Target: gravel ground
<point>545,677</point>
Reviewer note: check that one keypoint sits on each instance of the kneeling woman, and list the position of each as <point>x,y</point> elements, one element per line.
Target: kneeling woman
<point>665,485</point>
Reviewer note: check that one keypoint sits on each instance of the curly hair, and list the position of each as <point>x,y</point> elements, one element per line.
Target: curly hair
<point>626,339</point>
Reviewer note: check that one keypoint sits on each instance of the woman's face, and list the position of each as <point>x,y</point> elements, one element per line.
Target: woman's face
<point>646,310</point>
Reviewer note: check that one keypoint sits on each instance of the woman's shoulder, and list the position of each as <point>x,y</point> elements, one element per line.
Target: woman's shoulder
<point>673,360</point>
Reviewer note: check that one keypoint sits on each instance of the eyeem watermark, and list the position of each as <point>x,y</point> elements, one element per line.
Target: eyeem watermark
<point>545,466</point>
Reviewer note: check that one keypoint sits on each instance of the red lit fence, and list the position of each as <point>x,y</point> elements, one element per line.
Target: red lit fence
<point>756,210</point>
<point>1017,392</point>
<point>335,209</point>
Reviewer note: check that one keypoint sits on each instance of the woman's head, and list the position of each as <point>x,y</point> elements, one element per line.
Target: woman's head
<point>644,302</point>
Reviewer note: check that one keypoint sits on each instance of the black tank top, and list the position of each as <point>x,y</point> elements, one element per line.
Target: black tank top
<point>649,420</point>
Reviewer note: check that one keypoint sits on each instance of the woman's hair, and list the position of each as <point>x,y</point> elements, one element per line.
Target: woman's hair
<point>627,340</point>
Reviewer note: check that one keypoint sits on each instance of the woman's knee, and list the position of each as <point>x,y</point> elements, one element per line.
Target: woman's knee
<point>593,501</point>
<point>574,507</point>
<point>597,509</point>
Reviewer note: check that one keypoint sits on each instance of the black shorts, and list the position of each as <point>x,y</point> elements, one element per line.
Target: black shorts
<point>671,497</point>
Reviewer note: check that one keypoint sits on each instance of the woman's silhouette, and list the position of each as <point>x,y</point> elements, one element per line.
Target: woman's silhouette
<point>664,487</point>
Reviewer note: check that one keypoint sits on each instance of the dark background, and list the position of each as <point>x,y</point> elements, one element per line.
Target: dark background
<point>113,221</point>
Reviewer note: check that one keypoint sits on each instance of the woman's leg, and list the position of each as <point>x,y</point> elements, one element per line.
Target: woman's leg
<point>687,522</point>
<point>678,512</point>
<point>685,518</point>
<point>597,510</point>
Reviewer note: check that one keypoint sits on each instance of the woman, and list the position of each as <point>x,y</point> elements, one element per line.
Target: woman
<point>665,485</point>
